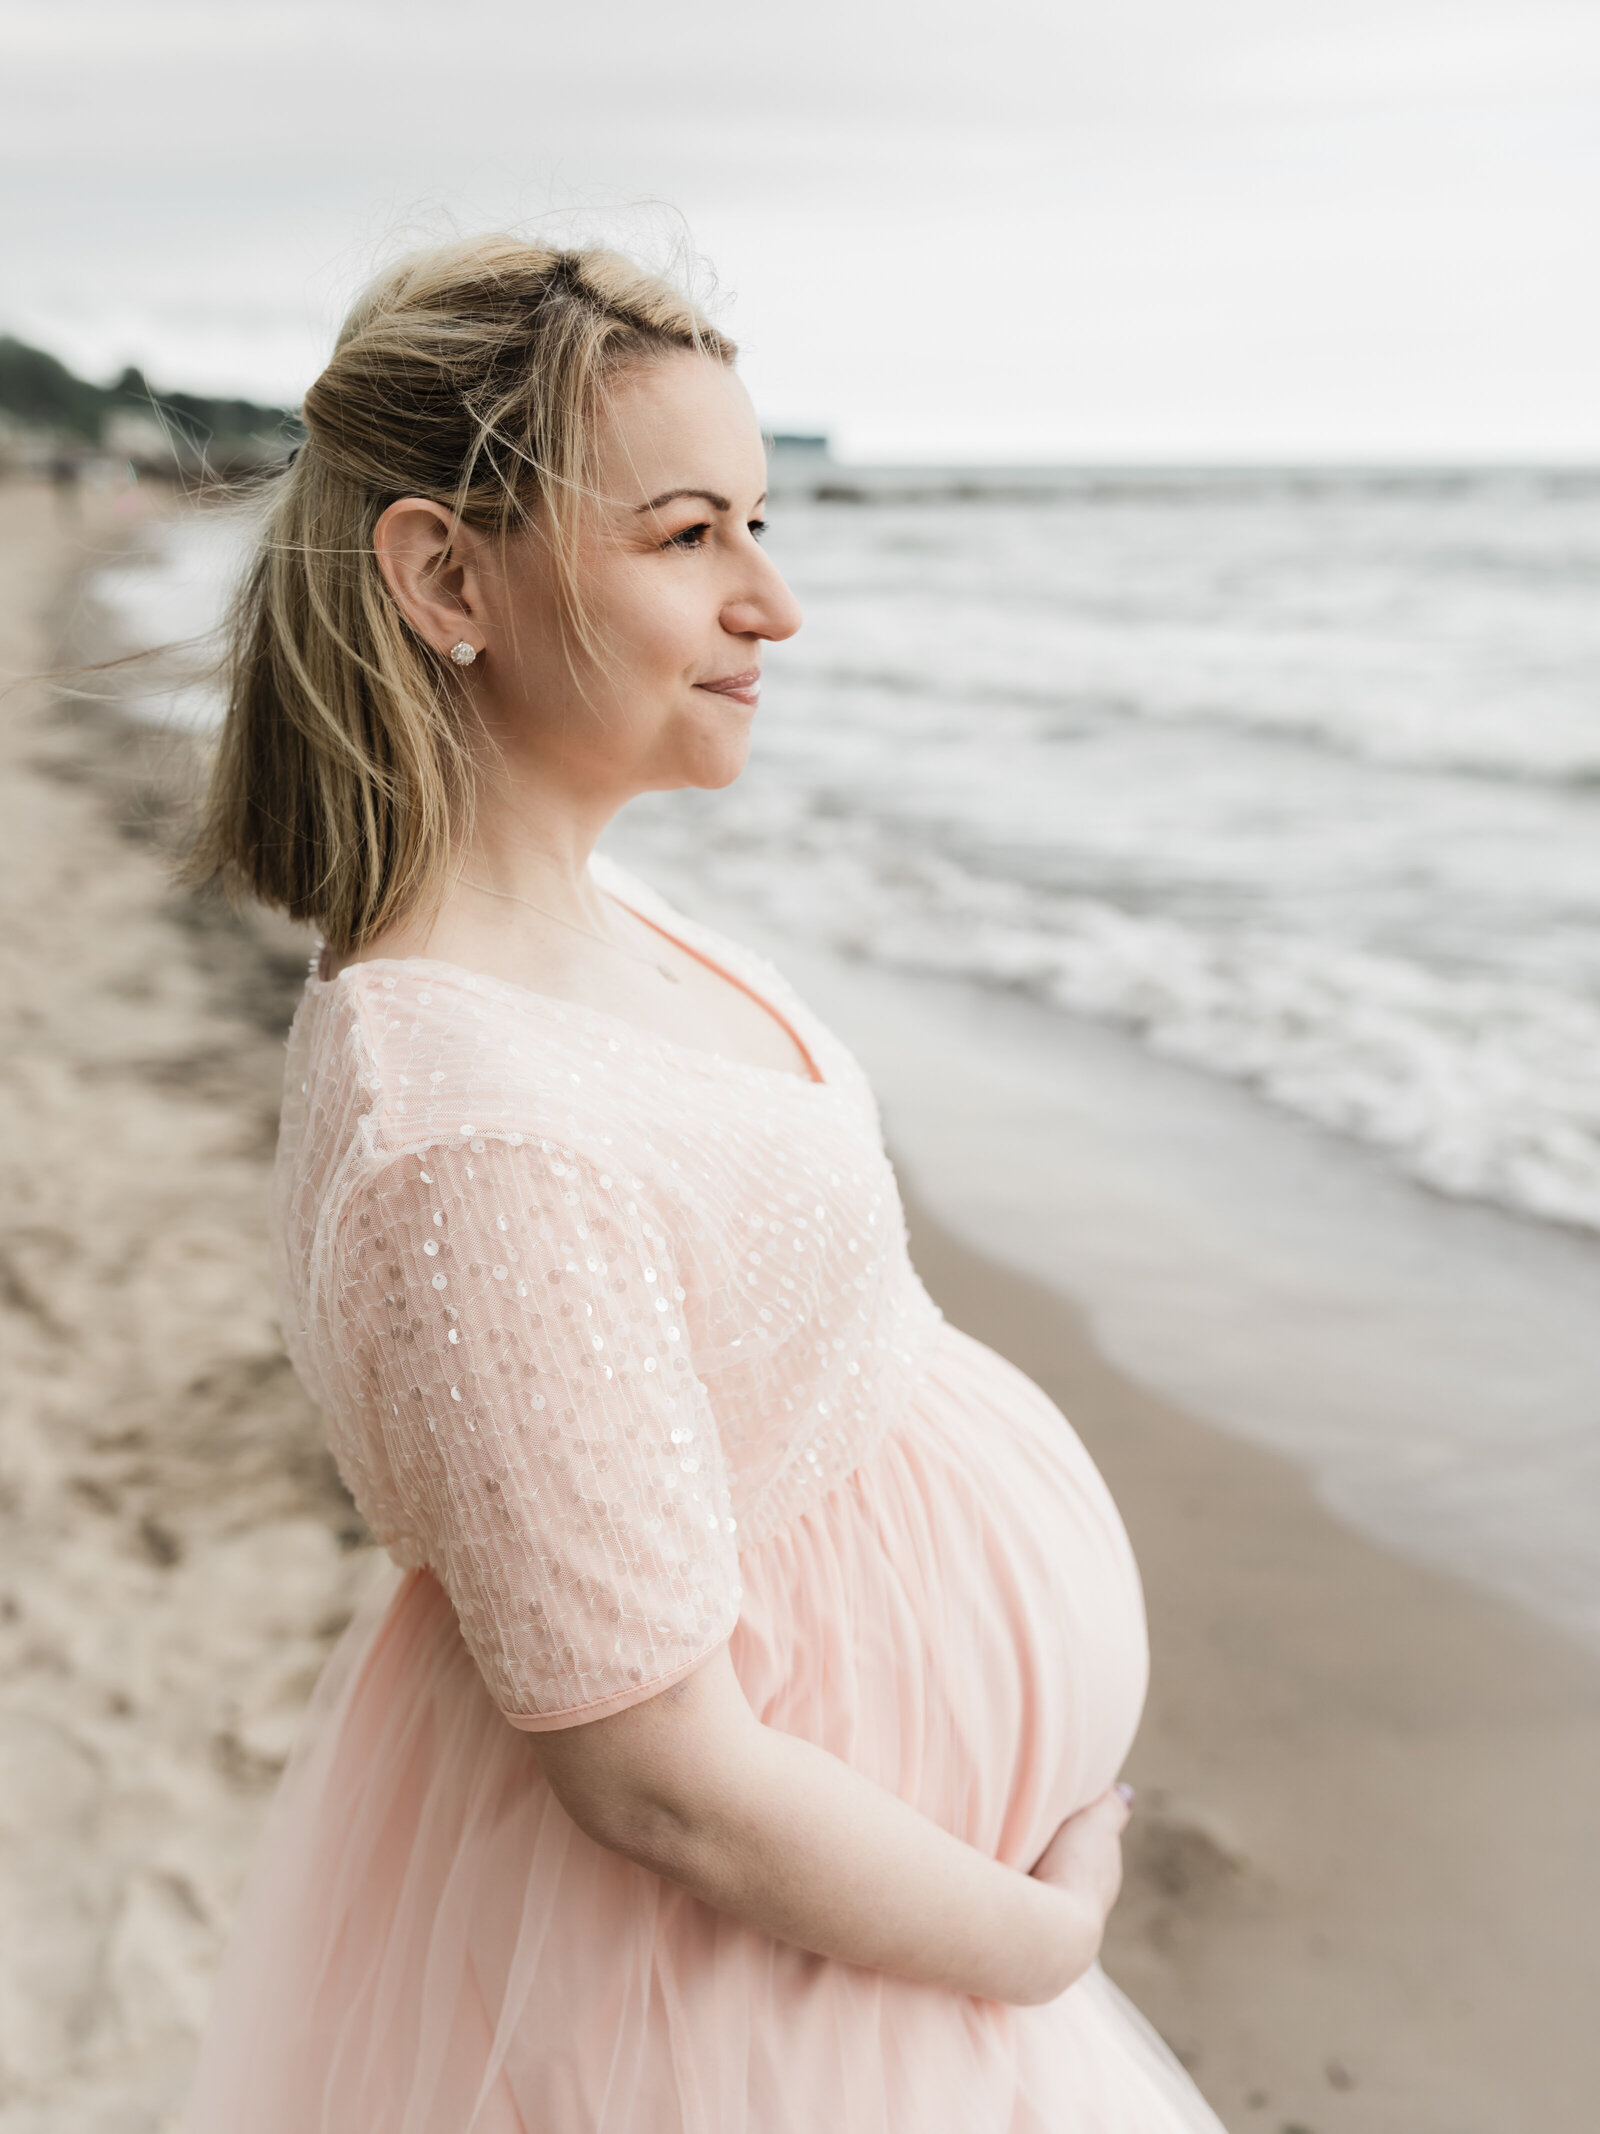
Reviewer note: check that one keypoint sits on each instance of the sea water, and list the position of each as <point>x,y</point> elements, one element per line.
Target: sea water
<point>1297,777</point>
<point>1208,871</point>
<point>1299,780</point>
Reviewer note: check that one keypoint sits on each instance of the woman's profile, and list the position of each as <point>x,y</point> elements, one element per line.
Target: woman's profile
<point>738,1753</point>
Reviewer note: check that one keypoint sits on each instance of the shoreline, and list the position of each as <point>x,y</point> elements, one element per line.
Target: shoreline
<point>1367,1847</point>
<point>1364,1862</point>
<point>1429,1362</point>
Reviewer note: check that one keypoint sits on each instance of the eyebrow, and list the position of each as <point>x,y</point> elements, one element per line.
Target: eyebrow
<point>670,496</point>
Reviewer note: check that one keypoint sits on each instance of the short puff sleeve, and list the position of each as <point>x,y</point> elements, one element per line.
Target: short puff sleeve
<point>515,1326</point>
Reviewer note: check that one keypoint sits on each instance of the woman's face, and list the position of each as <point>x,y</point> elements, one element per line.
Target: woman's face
<point>679,595</point>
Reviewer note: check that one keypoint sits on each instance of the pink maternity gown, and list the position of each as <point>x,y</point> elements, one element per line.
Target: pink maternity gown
<point>623,1359</point>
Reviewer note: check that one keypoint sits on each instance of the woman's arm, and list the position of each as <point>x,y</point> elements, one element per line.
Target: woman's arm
<point>782,1835</point>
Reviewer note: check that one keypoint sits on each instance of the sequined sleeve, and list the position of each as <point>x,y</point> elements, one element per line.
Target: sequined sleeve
<point>514,1324</point>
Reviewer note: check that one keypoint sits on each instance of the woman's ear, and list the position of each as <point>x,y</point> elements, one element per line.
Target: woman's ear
<point>430,563</point>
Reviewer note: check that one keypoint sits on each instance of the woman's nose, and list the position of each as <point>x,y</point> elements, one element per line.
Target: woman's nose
<point>765,608</point>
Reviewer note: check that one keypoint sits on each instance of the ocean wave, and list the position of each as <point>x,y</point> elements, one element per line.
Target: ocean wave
<point>1478,1088</point>
<point>1299,791</point>
<point>1549,758</point>
<point>1451,631</point>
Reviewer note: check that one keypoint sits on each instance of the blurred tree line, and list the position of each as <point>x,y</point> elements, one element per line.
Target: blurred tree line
<point>39,392</point>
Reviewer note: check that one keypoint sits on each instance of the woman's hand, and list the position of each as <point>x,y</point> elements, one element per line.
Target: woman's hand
<point>1084,1860</point>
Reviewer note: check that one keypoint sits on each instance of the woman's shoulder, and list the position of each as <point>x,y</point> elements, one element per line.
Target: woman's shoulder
<point>407,1053</point>
<point>402,1052</point>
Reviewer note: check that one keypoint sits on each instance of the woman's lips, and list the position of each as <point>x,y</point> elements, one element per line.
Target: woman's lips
<point>744,688</point>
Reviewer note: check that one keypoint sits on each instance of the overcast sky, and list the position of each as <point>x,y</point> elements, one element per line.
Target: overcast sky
<point>1008,229</point>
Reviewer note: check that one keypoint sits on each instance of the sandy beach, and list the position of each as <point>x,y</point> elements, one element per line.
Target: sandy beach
<point>177,1551</point>
<point>1365,1863</point>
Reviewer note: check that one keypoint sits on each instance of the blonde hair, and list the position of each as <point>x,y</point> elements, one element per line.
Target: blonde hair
<point>472,374</point>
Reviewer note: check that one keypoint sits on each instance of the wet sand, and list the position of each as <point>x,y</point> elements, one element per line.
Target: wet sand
<point>1365,1867</point>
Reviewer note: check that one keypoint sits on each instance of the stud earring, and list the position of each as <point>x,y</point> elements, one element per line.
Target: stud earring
<point>463,654</point>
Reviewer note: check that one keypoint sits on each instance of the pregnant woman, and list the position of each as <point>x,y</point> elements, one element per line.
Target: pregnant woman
<point>738,1751</point>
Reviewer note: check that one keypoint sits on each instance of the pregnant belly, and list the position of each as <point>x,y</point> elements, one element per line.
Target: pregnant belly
<point>961,1619</point>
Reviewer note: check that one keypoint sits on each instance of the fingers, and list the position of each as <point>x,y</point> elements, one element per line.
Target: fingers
<point>1112,1810</point>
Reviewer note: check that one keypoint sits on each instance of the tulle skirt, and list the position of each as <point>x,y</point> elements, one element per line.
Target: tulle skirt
<point>428,1945</point>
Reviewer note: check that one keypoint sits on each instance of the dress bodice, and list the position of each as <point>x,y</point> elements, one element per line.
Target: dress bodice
<point>587,1310</point>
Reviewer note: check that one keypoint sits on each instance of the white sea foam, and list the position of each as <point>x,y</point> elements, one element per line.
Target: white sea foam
<point>172,595</point>
<point>1479,1086</point>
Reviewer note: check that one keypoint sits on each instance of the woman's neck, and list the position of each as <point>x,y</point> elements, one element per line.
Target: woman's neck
<point>528,848</point>
<point>536,847</point>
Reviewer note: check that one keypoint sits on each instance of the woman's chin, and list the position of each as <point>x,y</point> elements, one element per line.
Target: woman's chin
<point>725,773</point>
<point>706,753</point>
<point>714,763</point>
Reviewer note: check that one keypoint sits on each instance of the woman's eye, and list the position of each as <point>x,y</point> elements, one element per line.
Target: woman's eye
<point>691,536</point>
<point>758,527</point>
